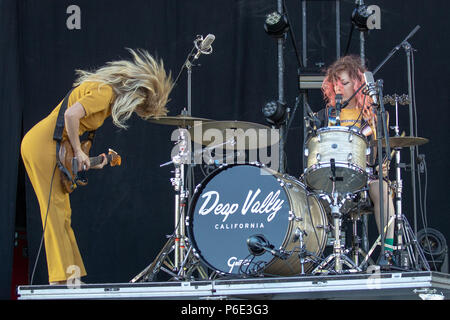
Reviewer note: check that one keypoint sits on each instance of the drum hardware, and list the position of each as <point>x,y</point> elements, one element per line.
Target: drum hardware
<point>356,214</point>
<point>409,50</point>
<point>402,256</point>
<point>177,241</point>
<point>403,253</point>
<point>409,241</point>
<point>185,263</point>
<point>304,255</point>
<point>338,256</point>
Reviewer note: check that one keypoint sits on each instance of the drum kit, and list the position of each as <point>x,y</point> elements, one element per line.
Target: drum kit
<point>246,219</point>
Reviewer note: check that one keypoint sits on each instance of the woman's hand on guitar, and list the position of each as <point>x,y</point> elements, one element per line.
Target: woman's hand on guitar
<point>101,165</point>
<point>83,160</point>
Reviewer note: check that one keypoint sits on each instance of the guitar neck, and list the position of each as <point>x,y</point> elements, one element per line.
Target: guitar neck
<point>97,160</point>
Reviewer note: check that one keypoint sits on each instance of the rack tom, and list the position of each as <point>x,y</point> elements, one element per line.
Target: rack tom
<point>348,148</point>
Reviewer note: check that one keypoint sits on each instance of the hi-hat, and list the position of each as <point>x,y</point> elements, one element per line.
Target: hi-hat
<point>401,142</point>
<point>179,120</point>
<point>234,134</point>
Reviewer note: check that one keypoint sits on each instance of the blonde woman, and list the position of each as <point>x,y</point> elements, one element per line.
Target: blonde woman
<point>117,89</point>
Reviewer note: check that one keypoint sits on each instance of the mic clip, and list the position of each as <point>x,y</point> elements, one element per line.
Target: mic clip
<point>200,42</point>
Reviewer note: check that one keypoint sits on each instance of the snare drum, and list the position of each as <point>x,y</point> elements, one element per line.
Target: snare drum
<point>239,201</point>
<point>348,148</point>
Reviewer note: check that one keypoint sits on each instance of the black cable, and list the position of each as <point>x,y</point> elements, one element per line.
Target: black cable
<point>360,114</point>
<point>45,225</point>
<point>425,209</point>
<point>415,133</point>
<point>297,100</point>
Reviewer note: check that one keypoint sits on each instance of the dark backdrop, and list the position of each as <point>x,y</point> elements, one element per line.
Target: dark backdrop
<point>122,217</point>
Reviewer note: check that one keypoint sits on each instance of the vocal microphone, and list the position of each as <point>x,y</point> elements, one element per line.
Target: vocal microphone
<point>338,99</point>
<point>205,45</point>
<point>371,87</point>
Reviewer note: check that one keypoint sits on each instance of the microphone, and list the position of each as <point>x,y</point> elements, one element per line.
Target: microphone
<point>338,99</point>
<point>204,46</point>
<point>258,244</point>
<point>371,87</point>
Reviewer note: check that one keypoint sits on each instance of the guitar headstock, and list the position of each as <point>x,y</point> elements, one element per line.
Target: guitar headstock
<point>116,160</point>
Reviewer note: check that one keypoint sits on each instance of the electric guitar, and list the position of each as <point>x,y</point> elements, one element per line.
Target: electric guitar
<point>69,175</point>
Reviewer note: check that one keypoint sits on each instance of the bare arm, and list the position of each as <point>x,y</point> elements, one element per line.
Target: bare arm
<point>72,118</point>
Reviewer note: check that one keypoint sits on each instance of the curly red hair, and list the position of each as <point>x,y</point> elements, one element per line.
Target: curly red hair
<point>351,64</point>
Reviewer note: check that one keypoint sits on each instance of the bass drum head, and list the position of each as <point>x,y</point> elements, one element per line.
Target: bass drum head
<point>239,201</point>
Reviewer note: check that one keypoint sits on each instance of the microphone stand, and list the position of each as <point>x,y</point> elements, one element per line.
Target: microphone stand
<point>183,190</point>
<point>382,131</point>
<point>188,64</point>
<point>408,49</point>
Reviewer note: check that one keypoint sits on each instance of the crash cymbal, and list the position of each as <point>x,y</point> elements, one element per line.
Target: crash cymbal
<point>234,134</point>
<point>179,120</point>
<point>401,142</point>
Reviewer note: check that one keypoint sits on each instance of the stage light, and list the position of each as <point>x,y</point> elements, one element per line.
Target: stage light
<point>274,112</point>
<point>360,17</point>
<point>276,24</point>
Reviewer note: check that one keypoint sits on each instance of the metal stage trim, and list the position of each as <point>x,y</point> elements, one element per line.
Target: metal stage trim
<point>385,286</point>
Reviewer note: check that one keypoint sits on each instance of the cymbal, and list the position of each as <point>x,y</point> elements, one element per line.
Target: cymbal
<point>234,134</point>
<point>179,120</point>
<point>400,142</point>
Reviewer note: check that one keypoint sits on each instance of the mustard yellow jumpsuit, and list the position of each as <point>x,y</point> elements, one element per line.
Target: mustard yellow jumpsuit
<point>38,151</point>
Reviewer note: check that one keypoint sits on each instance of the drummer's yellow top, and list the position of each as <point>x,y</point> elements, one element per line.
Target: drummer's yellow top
<point>349,116</point>
<point>353,117</point>
<point>38,151</point>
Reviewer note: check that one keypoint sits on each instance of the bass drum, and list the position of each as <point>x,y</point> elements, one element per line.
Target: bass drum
<point>238,201</point>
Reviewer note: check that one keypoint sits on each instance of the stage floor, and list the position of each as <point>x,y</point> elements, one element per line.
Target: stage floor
<point>414,285</point>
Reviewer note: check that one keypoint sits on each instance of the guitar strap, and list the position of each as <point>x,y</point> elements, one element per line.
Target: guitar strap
<point>57,136</point>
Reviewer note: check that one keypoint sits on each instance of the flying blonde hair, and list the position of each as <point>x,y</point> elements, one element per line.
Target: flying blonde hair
<point>140,86</point>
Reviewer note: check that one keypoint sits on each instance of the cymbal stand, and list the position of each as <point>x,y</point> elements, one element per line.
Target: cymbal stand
<point>177,241</point>
<point>410,245</point>
<point>402,255</point>
<point>338,254</point>
<point>304,255</point>
<point>185,262</point>
<point>181,197</point>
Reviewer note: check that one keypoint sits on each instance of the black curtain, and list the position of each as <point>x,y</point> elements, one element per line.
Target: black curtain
<point>122,217</point>
<point>11,104</point>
